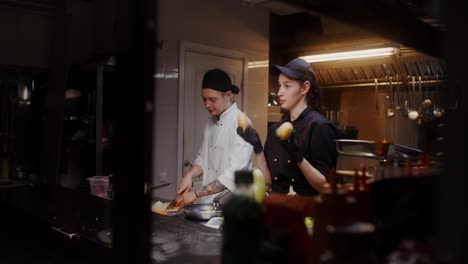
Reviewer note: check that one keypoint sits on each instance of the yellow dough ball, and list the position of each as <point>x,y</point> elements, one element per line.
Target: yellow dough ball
<point>243,121</point>
<point>285,131</point>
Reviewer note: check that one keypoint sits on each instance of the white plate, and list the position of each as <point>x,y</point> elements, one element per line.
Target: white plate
<point>214,222</point>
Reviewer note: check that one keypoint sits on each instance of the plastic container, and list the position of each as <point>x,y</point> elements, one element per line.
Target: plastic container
<point>99,186</point>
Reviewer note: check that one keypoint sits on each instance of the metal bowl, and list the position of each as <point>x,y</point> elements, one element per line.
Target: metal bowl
<point>202,212</point>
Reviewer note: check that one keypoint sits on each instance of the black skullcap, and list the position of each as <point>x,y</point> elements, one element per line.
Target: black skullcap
<point>296,69</point>
<point>218,80</point>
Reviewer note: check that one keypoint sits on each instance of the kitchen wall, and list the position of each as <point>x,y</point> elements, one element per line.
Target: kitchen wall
<point>218,23</point>
<point>360,109</point>
<point>25,37</point>
<point>26,30</point>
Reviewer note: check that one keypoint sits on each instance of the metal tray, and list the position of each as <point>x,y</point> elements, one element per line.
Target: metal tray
<point>358,148</point>
<point>377,150</point>
<point>399,152</point>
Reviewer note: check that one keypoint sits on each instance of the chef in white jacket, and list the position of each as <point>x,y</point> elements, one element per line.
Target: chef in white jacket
<point>222,151</point>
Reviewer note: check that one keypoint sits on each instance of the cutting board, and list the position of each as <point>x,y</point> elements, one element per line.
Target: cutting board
<point>165,208</point>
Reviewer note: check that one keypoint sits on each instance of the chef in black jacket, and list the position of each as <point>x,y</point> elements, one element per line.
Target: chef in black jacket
<point>305,159</point>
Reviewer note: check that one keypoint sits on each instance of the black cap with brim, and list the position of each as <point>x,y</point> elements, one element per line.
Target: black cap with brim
<point>296,69</point>
<point>276,70</point>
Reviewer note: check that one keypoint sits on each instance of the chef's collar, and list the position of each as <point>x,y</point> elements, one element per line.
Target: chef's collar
<point>228,112</point>
<point>306,110</point>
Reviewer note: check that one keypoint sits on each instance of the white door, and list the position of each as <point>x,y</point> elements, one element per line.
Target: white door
<point>195,60</point>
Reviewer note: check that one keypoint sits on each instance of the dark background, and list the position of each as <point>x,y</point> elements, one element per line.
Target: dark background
<point>23,237</point>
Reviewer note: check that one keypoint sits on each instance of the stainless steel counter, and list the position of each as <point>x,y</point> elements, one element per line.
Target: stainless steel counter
<point>175,239</point>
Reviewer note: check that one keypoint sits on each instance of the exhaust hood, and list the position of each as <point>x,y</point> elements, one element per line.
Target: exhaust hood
<point>363,72</point>
<point>351,55</point>
<point>318,27</point>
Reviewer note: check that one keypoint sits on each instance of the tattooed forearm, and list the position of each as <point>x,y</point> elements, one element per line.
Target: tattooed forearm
<point>211,188</point>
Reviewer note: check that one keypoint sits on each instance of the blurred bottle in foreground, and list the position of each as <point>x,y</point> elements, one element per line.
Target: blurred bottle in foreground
<point>4,171</point>
<point>243,223</point>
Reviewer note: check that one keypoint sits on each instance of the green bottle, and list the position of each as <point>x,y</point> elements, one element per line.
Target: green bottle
<point>4,168</point>
<point>243,223</point>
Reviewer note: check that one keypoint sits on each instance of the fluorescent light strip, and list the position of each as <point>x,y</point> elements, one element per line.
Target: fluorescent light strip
<point>347,55</point>
<point>257,64</point>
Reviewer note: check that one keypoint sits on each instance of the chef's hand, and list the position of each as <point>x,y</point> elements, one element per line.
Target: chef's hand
<point>186,198</point>
<point>251,136</point>
<point>185,184</point>
<point>293,150</point>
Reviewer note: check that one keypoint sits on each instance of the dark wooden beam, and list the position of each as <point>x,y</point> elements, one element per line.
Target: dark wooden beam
<point>132,99</point>
<point>57,83</point>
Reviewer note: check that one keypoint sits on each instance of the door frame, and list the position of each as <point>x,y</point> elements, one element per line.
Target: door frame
<point>186,46</point>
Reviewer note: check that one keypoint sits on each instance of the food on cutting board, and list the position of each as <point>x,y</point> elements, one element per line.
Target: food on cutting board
<point>285,131</point>
<point>243,121</point>
<point>159,206</point>
<point>162,208</point>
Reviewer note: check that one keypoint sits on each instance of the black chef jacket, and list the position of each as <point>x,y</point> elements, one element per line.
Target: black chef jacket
<point>315,136</point>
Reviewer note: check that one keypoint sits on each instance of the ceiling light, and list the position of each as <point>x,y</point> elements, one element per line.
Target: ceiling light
<point>348,55</point>
<point>257,64</point>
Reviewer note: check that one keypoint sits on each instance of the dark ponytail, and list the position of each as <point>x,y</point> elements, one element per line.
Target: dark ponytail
<point>314,97</point>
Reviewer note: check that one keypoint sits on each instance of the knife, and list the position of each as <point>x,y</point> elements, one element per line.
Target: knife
<point>172,205</point>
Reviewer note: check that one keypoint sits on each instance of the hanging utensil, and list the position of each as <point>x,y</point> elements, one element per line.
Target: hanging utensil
<point>427,101</point>
<point>412,112</point>
<point>376,95</point>
<point>397,97</point>
<point>406,102</point>
<point>419,100</point>
<point>389,97</point>
<point>426,106</point>
<point>438,111</point>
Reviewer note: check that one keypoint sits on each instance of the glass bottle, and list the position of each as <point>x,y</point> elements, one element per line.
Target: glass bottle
<point>4,162</point>
<point>243,223</point>
<point>4,169</point>
<point>110,188</point>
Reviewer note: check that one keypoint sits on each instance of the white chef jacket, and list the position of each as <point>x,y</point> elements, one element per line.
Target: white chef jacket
<point>223,151</point>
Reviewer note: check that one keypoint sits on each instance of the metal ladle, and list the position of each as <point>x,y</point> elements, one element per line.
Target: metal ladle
<point>389,97</point>
<point>427,102</point>
<point>406,103</point>
<point>397,97</point>
<point>412,112</point>
<point>376,95</point>
<point>438,111</point>
<point>427,106</point>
